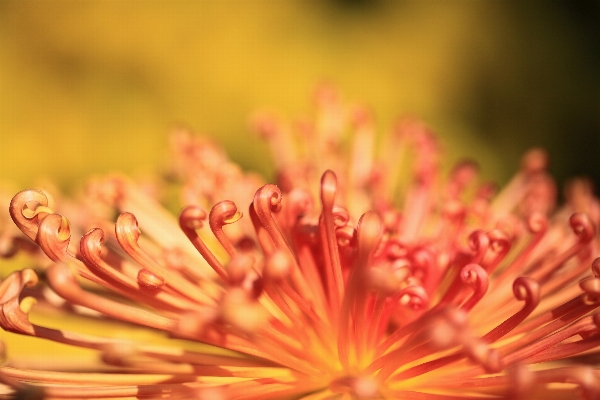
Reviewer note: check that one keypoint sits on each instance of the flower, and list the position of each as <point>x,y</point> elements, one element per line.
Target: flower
<point>359,284</point>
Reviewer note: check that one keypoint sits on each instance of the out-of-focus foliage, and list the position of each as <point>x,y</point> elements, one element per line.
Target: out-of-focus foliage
<point>93,86</point>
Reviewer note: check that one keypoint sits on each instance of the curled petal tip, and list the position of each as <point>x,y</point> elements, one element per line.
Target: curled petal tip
<point>526,289</point>
<point>346,236</point>
<point>239,266</point>
<point>500,240</point>
<point>537,222</point>
<point>369,231</point>
<point>415,297</point>
<point>341,216</point>
<point>118,353</point>
<point>243,275</point>
<point>90,246</point>
<point>477,278</point>
<point>454,210</point>
<point>126,229</point>
<point>535,160</point>
<point>150,280</point>
<point>300,202</point>
<point>27,208</point>
<point>194,324</point>
<point>242,312</point>
<point>478,241</point>
<point>268,195</point>
<point>13,313</point>
<point>60,275</point>
<point>192,217</point>
<point>583,227</point>
<point>591,286</point>
<point>223,213</point>
<point>465,171</point>
<point>472,273</point>
<point>278,266</point>
<point>328,189</point>
<point>53,236</point>
<point>29,277</point>
<point>442,333</point>
<point>388,280</point>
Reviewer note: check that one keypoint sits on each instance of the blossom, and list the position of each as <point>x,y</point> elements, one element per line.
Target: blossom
<point>357,276</point>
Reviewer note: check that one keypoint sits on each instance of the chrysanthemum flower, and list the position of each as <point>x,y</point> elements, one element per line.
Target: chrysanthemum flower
<point>355,277</point>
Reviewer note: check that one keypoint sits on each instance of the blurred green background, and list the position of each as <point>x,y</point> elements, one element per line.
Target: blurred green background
<point>94,86</point>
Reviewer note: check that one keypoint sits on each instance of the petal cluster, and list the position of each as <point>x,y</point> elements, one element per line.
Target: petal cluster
<point>362,274</point>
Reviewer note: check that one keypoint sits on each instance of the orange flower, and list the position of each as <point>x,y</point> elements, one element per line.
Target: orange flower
<point>427,288</point>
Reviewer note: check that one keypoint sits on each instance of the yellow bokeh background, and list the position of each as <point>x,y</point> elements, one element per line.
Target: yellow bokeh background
<point>91,87</point>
